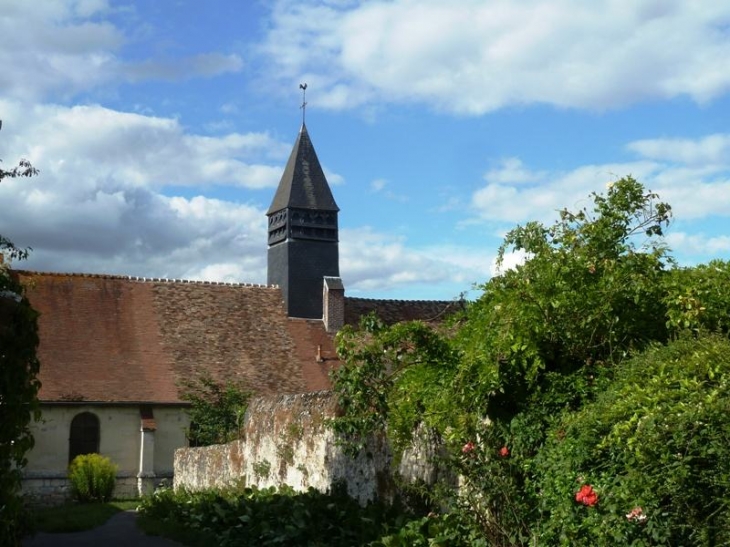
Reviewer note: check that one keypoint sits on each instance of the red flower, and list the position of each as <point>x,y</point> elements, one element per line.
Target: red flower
<point>587,496</point>
<point>504,451</point>
<point>467,448</point>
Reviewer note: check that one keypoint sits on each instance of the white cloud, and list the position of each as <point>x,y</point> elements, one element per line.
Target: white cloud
<point>711,150</point>
<point>698,244</point>
<point>692,175</point>
<point>519,202</point>
<point>67,47</point>
<point>98,204</point>
<point>375,261</point>
<point>472,57</point>
<point>511,171</point>
<point>510,261</point>
<point>93,143</point>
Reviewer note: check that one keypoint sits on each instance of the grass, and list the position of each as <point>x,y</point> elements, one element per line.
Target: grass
<point>76,517</point>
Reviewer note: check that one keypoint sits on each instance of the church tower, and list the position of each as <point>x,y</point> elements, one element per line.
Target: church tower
<point>303,233</point>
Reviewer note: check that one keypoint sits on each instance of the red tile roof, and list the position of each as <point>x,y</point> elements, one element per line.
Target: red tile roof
<point>121,339</point>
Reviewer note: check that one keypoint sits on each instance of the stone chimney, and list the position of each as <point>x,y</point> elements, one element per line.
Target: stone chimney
<point>333,304</point>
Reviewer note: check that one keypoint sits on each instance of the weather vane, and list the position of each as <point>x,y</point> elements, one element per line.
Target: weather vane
<point>303,87</point>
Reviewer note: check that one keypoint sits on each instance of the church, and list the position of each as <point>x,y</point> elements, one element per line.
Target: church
<point>114,350</point>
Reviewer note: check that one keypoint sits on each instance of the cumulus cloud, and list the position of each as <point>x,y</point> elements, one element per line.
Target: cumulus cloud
<point>519,202</point>
<point>712,150</point>
<point>512,171</point>
<point>473,57</point>
<point>690,174</point>
<point>698,244</point>
<point>73,46</point>
<point>376,261</point>
<point>510,261</point>
<point>100,202</point>
<point>93,143</point>
<point>133,231</point>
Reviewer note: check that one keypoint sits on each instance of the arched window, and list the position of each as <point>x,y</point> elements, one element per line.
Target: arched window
<point>84,435</point>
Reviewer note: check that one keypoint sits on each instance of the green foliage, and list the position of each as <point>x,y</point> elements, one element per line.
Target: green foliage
<point>18,381</point>
<point>404,366</point>
<point>92,478</point>
<point>658,439</point>
<point>449,530</point>
<point>698,299</point>
<point>216,410</point>
<point>588,294</point>
<point>270,516</point>
<point>559,381</point>
<point>7,248</point>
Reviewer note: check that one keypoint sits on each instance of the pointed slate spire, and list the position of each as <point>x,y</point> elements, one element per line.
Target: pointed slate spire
<point>303,233</point>
<point>303,184</point>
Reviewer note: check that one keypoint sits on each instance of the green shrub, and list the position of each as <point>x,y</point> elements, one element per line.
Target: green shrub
<point>92,478</point>
<point>216,410</point>
<point>271,516</point>
<point>655,447</point>
<point>583,399</point>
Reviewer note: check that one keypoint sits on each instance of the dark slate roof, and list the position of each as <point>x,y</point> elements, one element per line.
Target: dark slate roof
<point>303,184</point>
<point>119,339</point>
<point>395,311</point>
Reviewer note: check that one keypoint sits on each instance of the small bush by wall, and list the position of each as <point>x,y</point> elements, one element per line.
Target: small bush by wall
<point>92,478</point>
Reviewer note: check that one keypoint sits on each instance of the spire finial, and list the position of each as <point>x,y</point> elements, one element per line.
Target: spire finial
<point>303,87</point>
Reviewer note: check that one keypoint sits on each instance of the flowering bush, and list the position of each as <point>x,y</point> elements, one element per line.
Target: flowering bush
<point>586,370</point>
<point>656,443</point>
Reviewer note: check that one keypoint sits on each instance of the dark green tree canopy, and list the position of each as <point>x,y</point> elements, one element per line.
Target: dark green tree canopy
<point>19,384</point>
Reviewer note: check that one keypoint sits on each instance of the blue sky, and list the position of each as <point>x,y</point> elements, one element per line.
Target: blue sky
<point>161,128</point>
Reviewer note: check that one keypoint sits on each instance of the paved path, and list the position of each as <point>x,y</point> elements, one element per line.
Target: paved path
<point>119,531</point>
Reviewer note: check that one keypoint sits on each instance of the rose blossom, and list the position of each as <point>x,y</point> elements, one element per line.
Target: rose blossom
<point>504,451</point>
<point>637,514</point>
<point>586,495</point>
<point>467,448</point>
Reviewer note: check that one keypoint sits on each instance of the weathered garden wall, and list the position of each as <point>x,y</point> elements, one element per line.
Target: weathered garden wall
<point>287,442</point>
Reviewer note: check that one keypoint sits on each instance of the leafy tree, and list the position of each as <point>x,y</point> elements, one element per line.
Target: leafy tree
<point>588,295</point>
<point>216,410</point>
<point>526,386</point>
<point>18,380</point>
<point>23,169</point>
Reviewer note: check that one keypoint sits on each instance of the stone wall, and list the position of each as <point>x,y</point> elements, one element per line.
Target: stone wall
<point>287,442</point>
<point>49,489</point>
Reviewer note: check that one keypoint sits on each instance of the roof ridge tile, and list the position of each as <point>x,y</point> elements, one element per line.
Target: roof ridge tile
<point>143,279</point>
